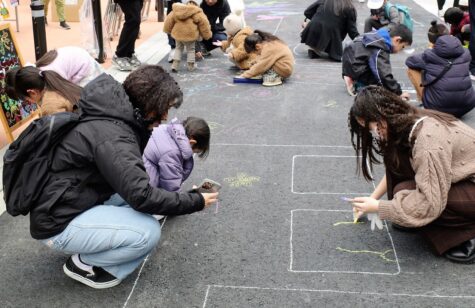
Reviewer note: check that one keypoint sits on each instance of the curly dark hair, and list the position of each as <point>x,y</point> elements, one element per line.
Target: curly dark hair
<point>376,104</point>
<point>153,91</point>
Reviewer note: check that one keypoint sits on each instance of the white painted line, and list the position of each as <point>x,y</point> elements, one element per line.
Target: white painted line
<point>140,271</point>
<point>338,292</point>
<point>278,26</point>
<point>290,269</point>
<point>282,145</point>
<point>206,296</point>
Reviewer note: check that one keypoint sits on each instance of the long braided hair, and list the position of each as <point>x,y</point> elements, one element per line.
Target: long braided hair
<point>376,104</point>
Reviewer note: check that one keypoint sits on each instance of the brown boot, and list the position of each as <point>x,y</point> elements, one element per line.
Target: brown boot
<point>175,65</point>
<point>191,66</point>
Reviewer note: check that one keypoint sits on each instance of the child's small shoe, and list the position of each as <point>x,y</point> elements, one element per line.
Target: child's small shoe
<point>175,66</point>
<point>191,66</point>
<point>350,86</point>
<point>271,81</point>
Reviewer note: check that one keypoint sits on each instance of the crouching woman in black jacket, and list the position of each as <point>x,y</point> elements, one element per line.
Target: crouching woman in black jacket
<point>97,204</point>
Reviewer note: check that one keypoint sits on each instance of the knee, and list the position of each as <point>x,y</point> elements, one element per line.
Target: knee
<point>151,235</point>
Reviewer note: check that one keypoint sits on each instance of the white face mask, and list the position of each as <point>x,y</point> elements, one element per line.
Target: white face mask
<point>374,133</point>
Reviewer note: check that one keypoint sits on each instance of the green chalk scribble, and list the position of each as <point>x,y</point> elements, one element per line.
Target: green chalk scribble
<point>382,255</point>
<point>348,223</point>
<point>242,179</point>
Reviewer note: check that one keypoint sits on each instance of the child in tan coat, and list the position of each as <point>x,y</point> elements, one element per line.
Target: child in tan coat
<point>234,46</point>
<point>186,23</point>
<point>275,60</point>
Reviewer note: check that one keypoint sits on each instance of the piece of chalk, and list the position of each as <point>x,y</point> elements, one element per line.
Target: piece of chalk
<point>246,80</point>
<point>346,199</point>
<point>355,220</point>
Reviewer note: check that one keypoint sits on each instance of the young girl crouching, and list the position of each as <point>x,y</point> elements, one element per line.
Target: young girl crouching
<point>275,60</point>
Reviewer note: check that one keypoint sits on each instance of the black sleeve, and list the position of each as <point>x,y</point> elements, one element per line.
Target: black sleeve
<point>381,67</point>
<point>312,9</point>
<point>226,10</point>
<point>120,162</point>
<point>351,24</point>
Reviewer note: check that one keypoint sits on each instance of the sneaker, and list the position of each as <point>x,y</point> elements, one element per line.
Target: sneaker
<point>191,66</point>
<point>171,54</point>
<point>271,81</point>
<point>350,87</point>
<point>312,54</point>
<point>97,278</point>
<point>64,25</point>
<point>135,61</point>
<point>122,64</point>
<point>175,66</point>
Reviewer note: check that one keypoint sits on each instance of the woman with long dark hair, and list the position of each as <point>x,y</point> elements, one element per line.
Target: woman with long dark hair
<point>331,21</point>
<point>429,158</point>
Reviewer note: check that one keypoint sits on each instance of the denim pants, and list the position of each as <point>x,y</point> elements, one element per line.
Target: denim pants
<point>112,236</point>
<point>217,36</point>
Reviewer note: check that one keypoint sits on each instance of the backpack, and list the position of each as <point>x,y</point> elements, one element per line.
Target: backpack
<point>28,159</point>
<point>404,15</point>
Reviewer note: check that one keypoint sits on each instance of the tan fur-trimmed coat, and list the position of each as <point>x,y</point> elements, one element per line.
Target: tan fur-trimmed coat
<point>53,102</point>
<point>243,59</point>
<point>186,23</point>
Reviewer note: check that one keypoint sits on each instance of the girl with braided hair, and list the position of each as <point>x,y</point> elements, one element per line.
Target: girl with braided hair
<point>429,158</point>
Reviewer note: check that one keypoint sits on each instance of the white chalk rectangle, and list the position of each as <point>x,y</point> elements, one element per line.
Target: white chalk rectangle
<point>327,174</point>
<point>327,241</point>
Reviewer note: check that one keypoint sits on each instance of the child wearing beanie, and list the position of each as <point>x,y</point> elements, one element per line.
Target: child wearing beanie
<point>186,23</point>
<point>237,32</point>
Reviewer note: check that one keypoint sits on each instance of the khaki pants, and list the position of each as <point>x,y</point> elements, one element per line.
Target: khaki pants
<point>190,51</point>
<point>59,8</point>
<point>416,78</point>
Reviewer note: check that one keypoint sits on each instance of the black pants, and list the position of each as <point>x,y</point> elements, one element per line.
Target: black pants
<point>371,23</point>
<point>441,3</point>
<point>130,31</point>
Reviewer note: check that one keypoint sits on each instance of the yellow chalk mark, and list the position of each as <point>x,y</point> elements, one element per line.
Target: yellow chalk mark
<point>348,223</point>
<point>242,179</point>
<point>382,255</point>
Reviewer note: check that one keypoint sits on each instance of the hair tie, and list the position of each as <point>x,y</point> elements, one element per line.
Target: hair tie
<point>40,73</point>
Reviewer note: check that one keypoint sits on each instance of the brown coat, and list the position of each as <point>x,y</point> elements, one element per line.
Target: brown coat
<point>53,102</point>
<point>186,23</point>
<point>242,59</point>
<point>274,55</point>
<point>441,156</point>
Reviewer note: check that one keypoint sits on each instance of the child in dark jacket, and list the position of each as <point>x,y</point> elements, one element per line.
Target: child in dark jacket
<point>441,77</point>
<point>366,59</point>
<point>168,156</point>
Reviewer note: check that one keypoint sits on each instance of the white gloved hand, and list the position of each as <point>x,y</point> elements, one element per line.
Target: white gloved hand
<point>375,221</point>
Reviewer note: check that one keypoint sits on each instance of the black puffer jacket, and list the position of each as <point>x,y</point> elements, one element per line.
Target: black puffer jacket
<point>216,12</point>
<point>100,156</point>
<point>453,92</point>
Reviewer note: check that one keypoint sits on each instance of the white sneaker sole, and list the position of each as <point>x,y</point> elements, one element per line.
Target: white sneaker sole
<point>89,283</point>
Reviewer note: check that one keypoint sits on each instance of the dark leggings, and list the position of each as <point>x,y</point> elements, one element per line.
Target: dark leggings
<point>441,3</point>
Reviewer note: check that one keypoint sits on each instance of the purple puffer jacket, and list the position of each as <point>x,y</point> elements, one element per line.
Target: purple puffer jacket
<point>168,156</point>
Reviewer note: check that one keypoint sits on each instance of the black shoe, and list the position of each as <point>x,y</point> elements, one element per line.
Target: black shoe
<point>97,278</point>
<point>312,54</point>
<point>64,25</point>
<point>463,253</point>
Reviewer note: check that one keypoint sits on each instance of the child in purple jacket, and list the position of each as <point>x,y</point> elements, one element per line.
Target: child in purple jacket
<point>168,156</point>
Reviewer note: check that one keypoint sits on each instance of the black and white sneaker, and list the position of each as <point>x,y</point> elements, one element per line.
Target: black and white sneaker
<point>97,278</point>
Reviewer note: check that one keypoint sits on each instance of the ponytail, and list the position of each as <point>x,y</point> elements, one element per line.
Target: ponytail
<point>32,78</point>
<point>258,37</point>
<point>47,58</point>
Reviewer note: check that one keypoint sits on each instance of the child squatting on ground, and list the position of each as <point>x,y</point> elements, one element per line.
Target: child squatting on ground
<point>168,156</point>
<point>275,60</point>
<point>441,75</point>
<point>366,61</point>
<point>429,159</point>
<point>186,23</point>
<point>234,45</point>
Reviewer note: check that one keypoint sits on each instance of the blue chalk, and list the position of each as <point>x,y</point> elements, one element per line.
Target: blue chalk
<point>247,80</point>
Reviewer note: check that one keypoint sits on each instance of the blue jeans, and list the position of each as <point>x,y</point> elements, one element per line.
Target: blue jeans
<point>112,236</point>
<point>217,36</point>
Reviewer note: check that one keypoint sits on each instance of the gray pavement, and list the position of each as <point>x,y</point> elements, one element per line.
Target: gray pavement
<point>280,237</point>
